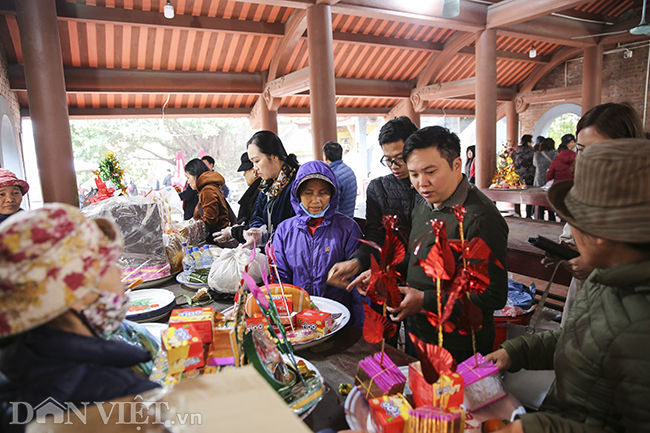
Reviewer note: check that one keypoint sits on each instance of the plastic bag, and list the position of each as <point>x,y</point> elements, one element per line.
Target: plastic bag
<point>138,336</point>
<point>226,271</point>
<point>138,218</point>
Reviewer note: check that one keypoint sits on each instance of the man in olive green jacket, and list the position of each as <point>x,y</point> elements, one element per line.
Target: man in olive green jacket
<point>433,158</point>
<point>601,356</point>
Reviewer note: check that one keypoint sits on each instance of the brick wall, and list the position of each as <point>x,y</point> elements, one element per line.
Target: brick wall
<point>8,94</point>
<point>623,81</point>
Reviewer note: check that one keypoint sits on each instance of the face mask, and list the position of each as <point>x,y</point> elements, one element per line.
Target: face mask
<point>106,314</point>
<point>312,215</point>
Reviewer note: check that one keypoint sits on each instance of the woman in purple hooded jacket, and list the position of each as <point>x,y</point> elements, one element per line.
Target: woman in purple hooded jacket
<point>310,243</point>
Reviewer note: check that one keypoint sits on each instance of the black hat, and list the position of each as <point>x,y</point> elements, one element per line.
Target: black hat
<point>246,163</point>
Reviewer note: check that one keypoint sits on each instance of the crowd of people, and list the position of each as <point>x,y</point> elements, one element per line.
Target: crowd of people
<point>599,189</point>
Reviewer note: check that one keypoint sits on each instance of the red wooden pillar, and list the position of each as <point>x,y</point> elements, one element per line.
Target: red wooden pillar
<point>512,123</point>
<point>269,118</point>
<point>48,108</point>
<point>592,77</point>
<point>411,113</point>
<point>322,90</point>
<point>486,106</point>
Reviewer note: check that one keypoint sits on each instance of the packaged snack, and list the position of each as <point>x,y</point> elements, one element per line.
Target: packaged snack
<point>201,318</point>
<point>450,388</point>
<point>483,384</point>
<point>318,321</point>
<point>389,413</point>
<point>184,348</point>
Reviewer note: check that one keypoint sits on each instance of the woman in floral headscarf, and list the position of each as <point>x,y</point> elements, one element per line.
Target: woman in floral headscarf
<point>12,191</point>
<point>60,290</point>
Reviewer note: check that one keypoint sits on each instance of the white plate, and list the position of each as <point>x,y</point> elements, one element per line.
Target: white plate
<point>323,304</point>
<point>313,368</point>
<point>182,279</point>
<point>157,301</point>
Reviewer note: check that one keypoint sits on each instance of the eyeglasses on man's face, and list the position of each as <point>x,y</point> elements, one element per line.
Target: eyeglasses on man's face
<point>580,147</point>
<point>398,161</point>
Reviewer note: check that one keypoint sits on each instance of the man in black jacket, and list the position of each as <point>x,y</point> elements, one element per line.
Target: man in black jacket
<point>387,195</point>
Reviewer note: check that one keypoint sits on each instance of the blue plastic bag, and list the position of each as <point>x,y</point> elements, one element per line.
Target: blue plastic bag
<point>521,295</point>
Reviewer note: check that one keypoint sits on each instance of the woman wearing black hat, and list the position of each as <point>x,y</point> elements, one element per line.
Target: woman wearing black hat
<point>246,203</point>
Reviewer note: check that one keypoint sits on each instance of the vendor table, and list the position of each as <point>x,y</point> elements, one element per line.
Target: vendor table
<point>337,359</point>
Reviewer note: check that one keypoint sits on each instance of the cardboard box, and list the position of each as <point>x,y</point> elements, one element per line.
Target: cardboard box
<point>201,318</point>
<point>184,348</point>
<point>318,321</point>
<point>258,323</point>
<point>389,413</point>
<point>424,394</point>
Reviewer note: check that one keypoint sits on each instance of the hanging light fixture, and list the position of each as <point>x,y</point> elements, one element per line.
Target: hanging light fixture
<point>168,10</point>
<point>532,53</point>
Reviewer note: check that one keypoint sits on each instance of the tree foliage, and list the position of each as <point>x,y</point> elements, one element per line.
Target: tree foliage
<point>141,144</point>
<point>564,124</point>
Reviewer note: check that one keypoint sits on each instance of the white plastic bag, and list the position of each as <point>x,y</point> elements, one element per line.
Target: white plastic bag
<point>226,271</point>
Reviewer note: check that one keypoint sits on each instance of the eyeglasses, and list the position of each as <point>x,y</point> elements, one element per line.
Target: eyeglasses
<point>399,161</point>
<point>580,147</point>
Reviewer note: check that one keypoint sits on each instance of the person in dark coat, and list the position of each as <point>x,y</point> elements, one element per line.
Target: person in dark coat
<point>522,157</point>
<point>310,243</point>
<point>387,195</point>
<point>434,163</point>
<point>60,293</point>
<point>190,199</point>
<point>247,203</point>
<point>278,171</point>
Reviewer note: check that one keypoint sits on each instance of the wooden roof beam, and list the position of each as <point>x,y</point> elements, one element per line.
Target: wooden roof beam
<point>524,99</point>
<point>561,56</point>
<point>107,80</point>
<point>459,89</point>
<point>555,30</point>
<point>95,113</point>
<point>509,12</point>
<point>118,16</point>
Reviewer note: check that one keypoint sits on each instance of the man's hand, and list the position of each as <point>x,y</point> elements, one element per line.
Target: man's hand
<point>341,273</point>
<point>500,359</point>
<point>579,268</point>
<point>410,305</point>
<point>361,282</point>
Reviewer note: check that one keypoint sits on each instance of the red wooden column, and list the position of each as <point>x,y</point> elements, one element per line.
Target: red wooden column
<point>269,118</point>
<point>411,113</point>
<point>322,90</point>
<point>39,38</point>
<point>486,106</point>
<point>512,123</point>
<point>592,77</point>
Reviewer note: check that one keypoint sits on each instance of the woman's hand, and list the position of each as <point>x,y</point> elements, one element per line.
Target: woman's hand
<point>340,274</point>
<point>410,305</point>
<point>500,359</point>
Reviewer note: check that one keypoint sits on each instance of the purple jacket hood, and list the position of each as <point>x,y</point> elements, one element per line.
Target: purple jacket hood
<point>319,170</point>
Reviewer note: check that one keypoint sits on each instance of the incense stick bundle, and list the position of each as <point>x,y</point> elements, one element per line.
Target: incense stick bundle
<point>433,420</point>
<point>378,375</point>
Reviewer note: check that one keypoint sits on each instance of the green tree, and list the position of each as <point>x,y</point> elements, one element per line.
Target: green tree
<point>564,124</point>
<point>139,143</point>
